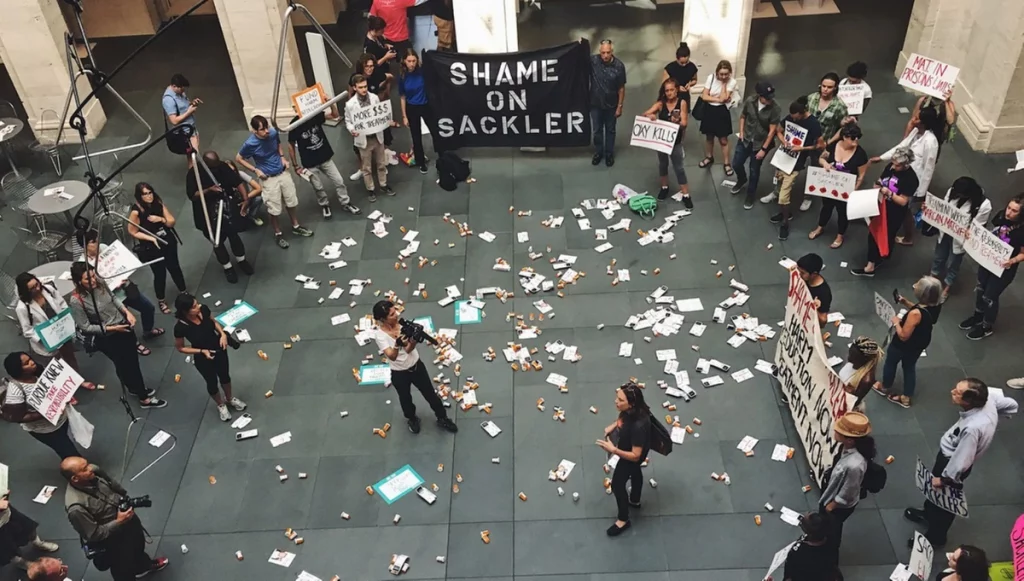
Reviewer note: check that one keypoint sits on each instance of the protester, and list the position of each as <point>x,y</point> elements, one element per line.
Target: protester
<point>208,344</point>
<point>810,266</point>
<point>394,14</point>
<point>1007,224</point>
<point>407,369</point>
<point>830,111</point>
<point>759,121</point>
<point>628,438</point>
<point>945,110</point>
<point>444,21</point>
<point>858,374</point>
<point>844,480</point>
<point>912,333</point>
<point>847,156</point>
<point>896,185</point>
<point>607,93</point>
<point>671,107</point>
<point>219,191</point>
<point>315,160</point>
<point>92,502</point>
<point>784,182</point>
<point>924,142</point>
<point>37,304</point>
<point>179,109</point>
<point>813,557</point>
<point>966,563</point>
<point>716,122</point>
<point>375,44</point>
<point>16,532</point>
<point>959,449</point>
<point>416,109</point>
<point>47,569</point>
<point>129,292</point>
<point>855,75</point>
<point>24,373</point>
<point>968,197</point>
<point>270,166</point>
<point>378,81</point>
<point>683,71</point>
<point>371,147</point>
<point>159,240</point>
<point>104,321</point>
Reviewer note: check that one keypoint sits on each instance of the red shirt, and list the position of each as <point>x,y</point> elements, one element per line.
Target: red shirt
<point>394,14</point>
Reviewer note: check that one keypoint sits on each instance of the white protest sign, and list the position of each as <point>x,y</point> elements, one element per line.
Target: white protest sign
<point>372,119</point>
<point>657,135</point>
<point>853,97</point>
<point>778,559</point>
<point>4,479</point>
<point>834,184</point>
<point>947,498</point>
<point>54,390</point>
<point>946,217</point>
<point>115,264</point>
<point>815,391</point>
<point>794,136</point>
<point>884,310</point>
<point>56,331</point>
<point>929,76</point>
<point>921,555</point>
<point>987,249</point>
<point>862,204</point>
<point>784,161</point>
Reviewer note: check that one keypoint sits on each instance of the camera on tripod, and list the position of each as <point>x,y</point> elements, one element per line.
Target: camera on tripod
<point>133,502</point>
<point>415,332</point>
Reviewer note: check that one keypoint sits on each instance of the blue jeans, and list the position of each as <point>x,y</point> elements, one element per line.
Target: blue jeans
<point>145,308</point>
<point>747,150</point>
<point>603,123</point>
<point>946,260</point>
<point>896,355</point>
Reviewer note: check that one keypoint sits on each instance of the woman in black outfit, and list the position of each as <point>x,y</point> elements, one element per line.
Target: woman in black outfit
<point>966,563</point>
<point>629,438</point>
<point>150,212</point>
<point>897,186</point>
<point>16,532</point>
<point>813,557</point>
<point>672,108</point>
<point>683,71</point>
<point>1009,227</point>
<point>845,156</point>
<point>208,348</point>
<point>912,334</point>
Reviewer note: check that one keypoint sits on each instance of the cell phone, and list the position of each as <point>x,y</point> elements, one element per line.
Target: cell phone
<point>427,496</point>
<point>896,295</point>
<point>239,436</point>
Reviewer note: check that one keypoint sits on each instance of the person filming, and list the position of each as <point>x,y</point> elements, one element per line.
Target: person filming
<point>407,369</point>
<point>101,513</point>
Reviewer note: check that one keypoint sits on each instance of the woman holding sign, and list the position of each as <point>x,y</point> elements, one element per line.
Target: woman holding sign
<point>924,142</point>
<point>912,333</point>
<point>1008,227</point>
<point>847,156</point>
<point>37,304</point>
<point>896,186</point>
<point>966,563</point>
<point>671,107</point>
<point>968,197</point>
<point>24,373</point>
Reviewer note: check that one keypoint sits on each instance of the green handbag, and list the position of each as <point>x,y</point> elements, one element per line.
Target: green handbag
<point>644,205</point>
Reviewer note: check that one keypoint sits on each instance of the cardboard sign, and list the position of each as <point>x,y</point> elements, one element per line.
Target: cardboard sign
<point>884,310</point>
<point>921,555</point>
<point>657,135</point>
<point>815,391</point>
<point>379,374</point>
<point>398,484</point>
<point>862,204</point>
<point>306,101</point>
<point>1017,546</point>
<point>946,217</point>
<point>836,185</point>
<point>794,136</point>
<point>54,390</point>
<point>466,314</point>
<point>949,499</point>
<point>779,559</point>
<point>853,97</point>
<point>373,119</point>
<point>115,264</point>
<point>987,249</point>
<point>929,76</point>
<point>56,331</point>
<point>234,316</point>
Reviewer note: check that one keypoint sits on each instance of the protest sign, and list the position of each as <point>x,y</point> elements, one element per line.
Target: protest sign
<point>307,100</point>
<point>987,249</point>
<point>835,185</point>
<point>794,136</point>
<point>56,331</point>
<point>398,484</point>
<point>884,310</point>
<point>115,264</point>
<point>929,76</point>
<point>4,479</point>
<point>657,135</point>
<point>815,392</point>
<point>54,390</point>
<point>538,98</point>
<point>862,204</point>
<point>372,119</point>
<point>946,217</point>
<point>1017,545</point>
<point>778,559</point>
<point>921,555</point>
<point>946,497</point>
<point>853,97</point>
<point>236,314</point>
<point>378,374</point>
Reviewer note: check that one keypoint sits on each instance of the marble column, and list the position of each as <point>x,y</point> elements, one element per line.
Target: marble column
<point>717,30</point>
<point>486,26</point>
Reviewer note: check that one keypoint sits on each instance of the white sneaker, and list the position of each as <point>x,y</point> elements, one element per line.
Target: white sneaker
<point>769,198</point>
<point>45,546</point>
<point>356,176</point>
<point>225,415</point>
<point>806,204</point>
<point>392,157</point>
<point>237,404</point>
<point>1017,383</point>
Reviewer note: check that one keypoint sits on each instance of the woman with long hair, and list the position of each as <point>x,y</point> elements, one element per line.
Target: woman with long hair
<point>923,141</point>
<point>846,156</point>
<point>683,71</point>
<point>415,107</point>
<point>629,438</point>
<point>912,333</point>
<point>812,557</point>
<point>966,563</point>
<point>969,197</point>
<point>671,107</point>
<point>208,344</point>
<point>1007,226</point>
<point>858,374</point>
<point>38,303</point>
<point>841,493</point>
<point>717,122</point>
<point>161,241</point>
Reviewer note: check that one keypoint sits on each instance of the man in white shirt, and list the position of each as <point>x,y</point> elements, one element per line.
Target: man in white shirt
<point>24,373</point>
<point>371,147</point>
<point>407,369</point>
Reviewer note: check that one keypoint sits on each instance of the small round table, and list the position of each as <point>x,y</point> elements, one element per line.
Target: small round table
<point>10,127</point>
<point>55,270</point>
<point>40,203</point>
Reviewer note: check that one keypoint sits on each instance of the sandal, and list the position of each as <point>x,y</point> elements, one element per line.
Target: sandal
<point>143,350</point>
<point>728,170</point>
<point>815,233</point>
<point>837,242</point>
<point>880,389</point>
<point>155,332</point>
<point>163,307</point>
<point>902,241</point>
<point>88,386</point>
<point>706,162</point>
<point>900,400</point>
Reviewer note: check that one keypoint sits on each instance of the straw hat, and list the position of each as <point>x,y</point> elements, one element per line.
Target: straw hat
<point>853,425</point>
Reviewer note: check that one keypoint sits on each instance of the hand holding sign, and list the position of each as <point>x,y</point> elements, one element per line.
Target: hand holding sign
<point>929,76</point>
<point>836,185</point>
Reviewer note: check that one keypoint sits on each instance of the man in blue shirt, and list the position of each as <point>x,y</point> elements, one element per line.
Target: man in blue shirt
<point>180,110</point>
<point>270,167</point>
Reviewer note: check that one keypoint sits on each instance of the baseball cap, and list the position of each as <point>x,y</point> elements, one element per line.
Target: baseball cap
<point>765,89</point>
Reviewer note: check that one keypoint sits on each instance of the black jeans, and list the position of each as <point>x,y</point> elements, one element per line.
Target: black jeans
<point>213,369</point>
<point>120,348</point>
<point>415,114</point>
<point>134,299</point>
<point>59,441</point>
<point>939,520</point>
<point>631,472</point>
<point>416,375</point>
<point>169,264</point>
<point>237,247</point>
<point>990,286</point>
<point>827,205</point>
<point>126,551</point>
<point>893,223</point>
<point>838,517</point>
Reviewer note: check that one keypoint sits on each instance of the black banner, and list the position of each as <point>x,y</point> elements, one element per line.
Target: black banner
<point>528,99</point>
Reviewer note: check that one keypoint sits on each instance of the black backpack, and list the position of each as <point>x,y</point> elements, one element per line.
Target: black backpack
<point>660,439</point>
<point>451,170</point>
<point>874,479</point>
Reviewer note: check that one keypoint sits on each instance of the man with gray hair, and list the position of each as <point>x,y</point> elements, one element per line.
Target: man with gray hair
<point>47,569</point>
<point>607,93</point>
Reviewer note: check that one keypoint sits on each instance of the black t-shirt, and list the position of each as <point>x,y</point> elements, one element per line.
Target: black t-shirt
<point>904,183</point>
<point>228,180</point>
<point>158,228</point>
<point>810,562</point>
<point>310,140</point>
<point>682,74</point>
<point>813,134</point>
<point>850,166</point>
<point>442,9</point>
<point>1011,233</point>
<point>201,336</point>
<point>634,432</point>
<point>377,48</point>
<point>823,293</point>
<point>673,115</point>
<point>375,83</point>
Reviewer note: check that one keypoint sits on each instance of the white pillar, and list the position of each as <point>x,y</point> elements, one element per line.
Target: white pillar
<point>252,31</point>
<point>32,47</point>
<point>718,30</point>
<point>486,26</point>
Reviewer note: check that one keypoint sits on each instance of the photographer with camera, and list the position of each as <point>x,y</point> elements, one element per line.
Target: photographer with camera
<point>397,339</point>
<point>100,510</point>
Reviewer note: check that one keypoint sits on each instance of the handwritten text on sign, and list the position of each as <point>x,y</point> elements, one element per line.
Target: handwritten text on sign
<point>54,390</point>
<point>657,135</point>
<point>816,393</point>
<point>947,498</point>
<point>921,556</point>
<point>1017,545</point>
<point>307,100</point>
<point>929,76</point>
<point>884,310</point>
<point>836,185</point>
<point>794,136</point>
<point>56,331</point>
<point>984,247</point>
<point>946,217</point>
<point>116,263</point>
<point>373,119</point>
<point>853,97</point>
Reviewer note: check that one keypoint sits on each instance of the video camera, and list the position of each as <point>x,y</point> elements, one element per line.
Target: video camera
<point>415,332</point>
<point>133,502</point>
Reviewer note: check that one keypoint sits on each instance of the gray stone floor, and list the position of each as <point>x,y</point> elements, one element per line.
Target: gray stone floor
<point>690,527</point>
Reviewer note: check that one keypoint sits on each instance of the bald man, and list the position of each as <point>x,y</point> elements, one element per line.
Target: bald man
<point>47,569</point>
<point>92,502</point>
